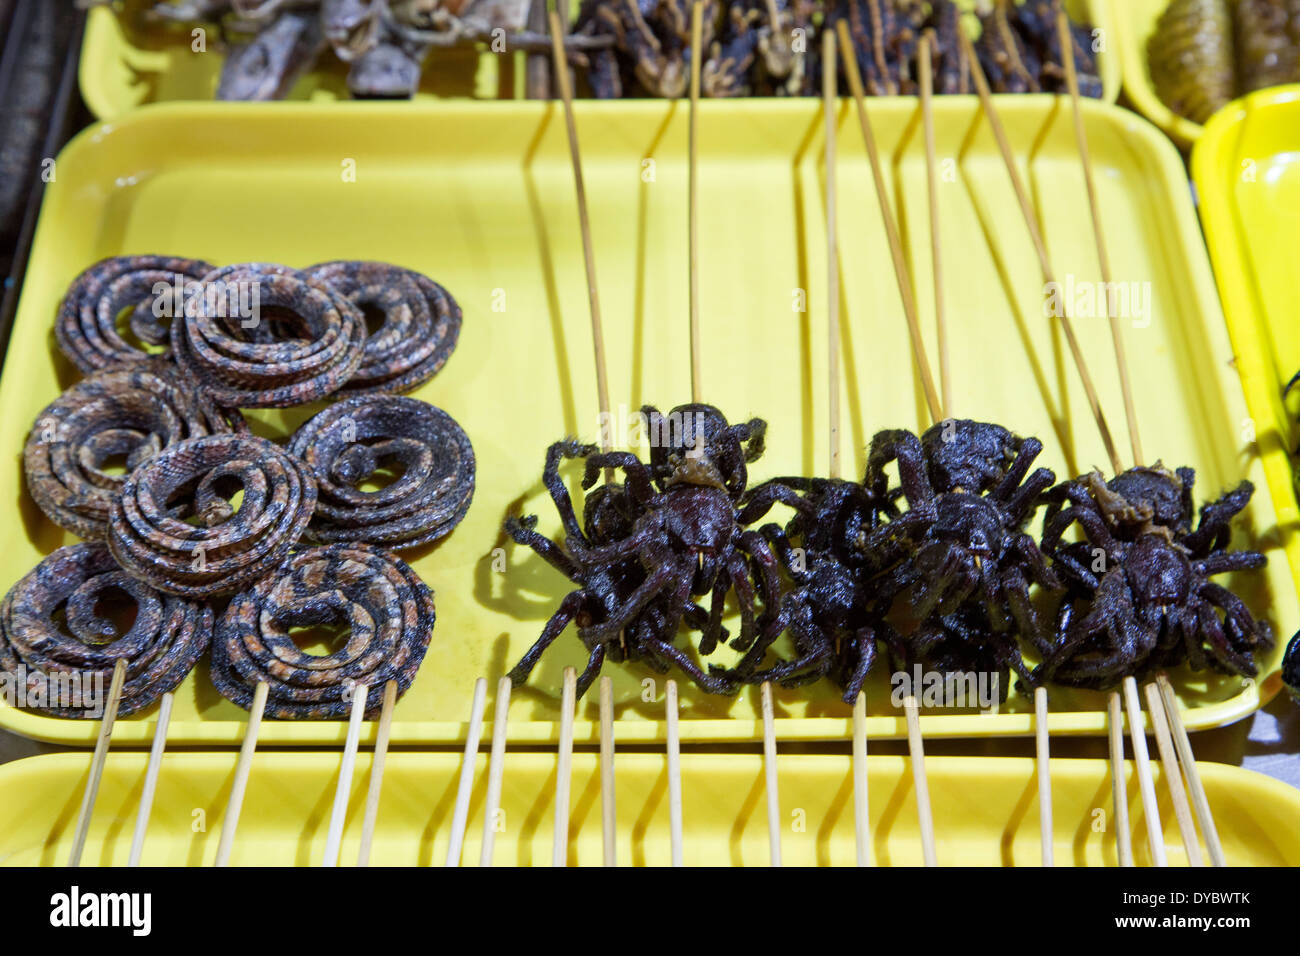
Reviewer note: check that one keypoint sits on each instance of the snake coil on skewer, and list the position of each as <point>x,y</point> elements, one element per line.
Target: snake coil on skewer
<point>288,340</point>
<point>134,411</point>
<point>388,608</point>
<point>420,328</point>
<point>350,441</point>
<point>161,646</point>
<point>226,548</point>
<point>86,326</point>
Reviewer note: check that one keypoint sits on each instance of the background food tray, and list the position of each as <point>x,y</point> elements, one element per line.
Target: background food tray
<point>1135,21</point>
<point>985,811</point>
<point>480,196</point>
<point>126,64</point>
<point>1248,180</point>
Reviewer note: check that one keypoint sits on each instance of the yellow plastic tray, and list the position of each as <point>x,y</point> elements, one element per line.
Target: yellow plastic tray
<point>985,811</point>
<point>1249,186</point>
<point>1135,21</point>
<point>125,64</point>
<point>480,196</point>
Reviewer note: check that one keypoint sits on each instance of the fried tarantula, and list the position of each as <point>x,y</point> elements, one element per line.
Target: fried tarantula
<point>608,516</point>
<point>668,535</point>
<point>1140,596</point>
<point>828,612</point>
<point>1291,668</point>
<point>958,563</point>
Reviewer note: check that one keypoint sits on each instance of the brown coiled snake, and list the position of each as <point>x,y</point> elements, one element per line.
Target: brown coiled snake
<point>389,609</point>
<point>226,548</point>
<point>300,341</point>
<point>349,442</point>
<point>134,411</point>
<point>421,323</point>
<point>161,646</point>
<point>86,327</point>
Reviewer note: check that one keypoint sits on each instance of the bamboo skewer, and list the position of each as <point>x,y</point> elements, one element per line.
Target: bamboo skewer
<point>1044,774</point>
<point>674,773</point>
<point>901,272</point>
<point>496,771</point>
<point>377,762</point>
<point>932,190</point>
<point>770,777</point>
<point>1150,809</point>
<point>916,745</point>
<point>1118,781</point>
<point>564,769</point>
<point>235,804</point>
<point>584,223</point>
<point>338,816</point>
<point>1094,208</point>
<point>1040,248</point>
<point>97,762</point>
<point>608,809</point>
<point>465,788</point>
<point>861,807</point>
<point>829,96</point>
<point>1173,776</point>
<point>692,203</point>
<point>920,783</point>
<point>151,778</point>
<point>1184,746</point>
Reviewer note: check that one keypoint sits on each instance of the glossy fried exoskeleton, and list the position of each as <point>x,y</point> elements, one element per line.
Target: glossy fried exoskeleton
<point>1140,594</point>
<point>958,560</point>
<point>829,605</point>
<point>608,516</point>
<point>1291,668</point>
<point>676,537</point>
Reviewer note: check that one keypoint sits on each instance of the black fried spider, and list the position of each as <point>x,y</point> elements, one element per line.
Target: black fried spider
<point>828,613</point>
<point>1291,667</point>
<point>958,561</point>
<point>608,515</point>
<point>1140,596</point>
<point>677,538</point>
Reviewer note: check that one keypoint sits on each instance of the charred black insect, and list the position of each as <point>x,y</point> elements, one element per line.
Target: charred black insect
<point>669,534</point>
<point>1291,668</point>
<point>1140,597</point>
<point>958,564</point>
<point>828,612</point>
<point>608,516</point>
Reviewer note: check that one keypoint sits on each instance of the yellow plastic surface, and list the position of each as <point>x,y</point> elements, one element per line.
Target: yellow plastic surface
<point>480,196</point>
<point>1248,178</point>
<point>1135,21</point>
<point>985,811</point>
<point>127,63</point>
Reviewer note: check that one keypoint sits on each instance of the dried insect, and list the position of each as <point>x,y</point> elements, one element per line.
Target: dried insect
<point>1190,57</point>
<point>957,561</point>
<point>1140,597</point>
<point>669,534</point>
<point>830,614</point>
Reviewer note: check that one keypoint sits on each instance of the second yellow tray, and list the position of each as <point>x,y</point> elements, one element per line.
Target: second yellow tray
<point>985,811</point>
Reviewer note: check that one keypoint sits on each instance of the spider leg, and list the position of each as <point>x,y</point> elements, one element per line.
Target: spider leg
<point>758,501</point>
<point>648,590</point>
<point>1221,562</point>
<point>568,448</point>
<point>521,530</point>
<point>1094,528</point>
<point>1024,500</point>
<point>594,662</point>
<point>1006,490</point>
<point>713,627</point>
<point>1237,615</point>
<point>647,527</point>
<point>713,683</point>
<point>638,476</point>
<point>1215,518</point>
<point>738,578</point>
<point>863,644</point>
<point>902,446</point>
<point>776,540</point>
<point>567,610</point>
